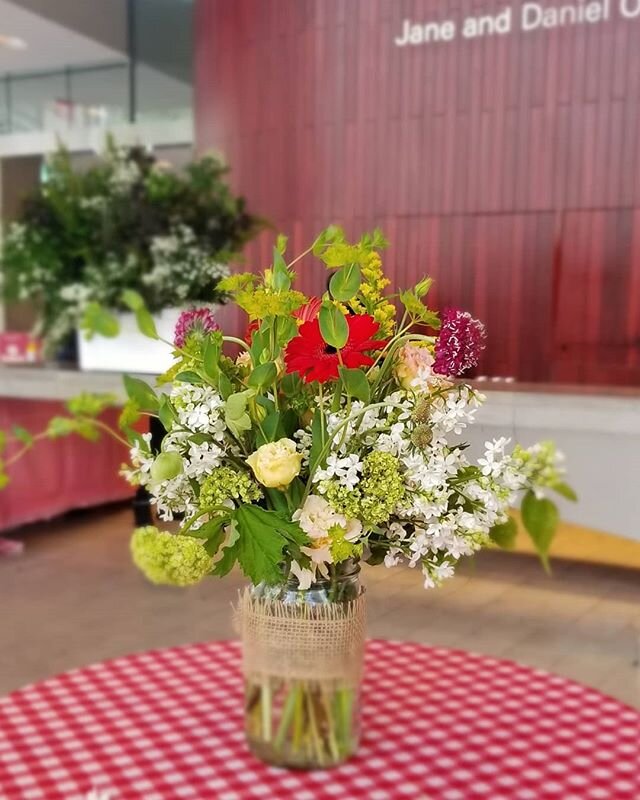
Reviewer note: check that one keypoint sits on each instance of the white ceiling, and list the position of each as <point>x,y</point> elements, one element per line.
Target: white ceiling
<point>49,45</point>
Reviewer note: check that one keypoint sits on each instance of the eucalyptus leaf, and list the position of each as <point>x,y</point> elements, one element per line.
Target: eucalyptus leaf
<point>344,283</point>
<point>333,326</point>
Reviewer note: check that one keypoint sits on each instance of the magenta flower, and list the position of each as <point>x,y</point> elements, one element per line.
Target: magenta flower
<point>461,340</point>
<point>195,320</point>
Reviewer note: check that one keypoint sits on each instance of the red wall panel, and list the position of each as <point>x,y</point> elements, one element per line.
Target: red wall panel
<point>508,166</point>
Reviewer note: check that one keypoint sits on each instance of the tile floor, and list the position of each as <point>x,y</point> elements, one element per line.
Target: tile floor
<point>74,598</point>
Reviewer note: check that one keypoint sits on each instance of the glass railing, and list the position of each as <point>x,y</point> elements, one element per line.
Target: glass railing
<point>90,97</point>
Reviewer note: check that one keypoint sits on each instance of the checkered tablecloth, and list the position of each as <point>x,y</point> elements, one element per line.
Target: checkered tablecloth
<point>438,725</point>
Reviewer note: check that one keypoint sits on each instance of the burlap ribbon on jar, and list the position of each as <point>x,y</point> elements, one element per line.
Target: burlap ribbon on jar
<point>302,642</point>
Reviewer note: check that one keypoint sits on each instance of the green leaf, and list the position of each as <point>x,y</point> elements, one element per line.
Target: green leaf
<point>564,490</point>
<point>22,435</point>
<point>356,384</point>
<point>281,275</point>
<point>166,466</point>
<point>277,500</point>
<point>166,412</point>
<point>235,412</point>
<point>3,441</point>
<point>540,518</point>
<point>333,326</point>
<point>227,553</point>
<point>269,430</point>
<point>132,300</point>
<point>417,310</point>
<point>281,243</point>
<point>91,405</point>
<point>188,376</point>
<point>146,324</point>
<point>263,536</point>
<point>98,320</point>
<point>211,359</point>
<point>345,283</point>
<point>318,434</point>
<point>291,385</point>
<point>263,375</point>
<point>60,426</point>
<point>141,393</point>
<point>505,535</point>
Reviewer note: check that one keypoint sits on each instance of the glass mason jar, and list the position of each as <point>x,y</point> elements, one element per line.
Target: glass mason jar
<point>299,716</point>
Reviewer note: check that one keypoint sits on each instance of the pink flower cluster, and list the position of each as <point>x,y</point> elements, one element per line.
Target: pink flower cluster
<point>195,320</point>
<point>461,340</point>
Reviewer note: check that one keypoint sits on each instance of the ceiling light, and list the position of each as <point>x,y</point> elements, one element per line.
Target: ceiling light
<point>12,42</point>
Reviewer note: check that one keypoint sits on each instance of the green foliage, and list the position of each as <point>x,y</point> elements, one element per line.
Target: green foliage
<point>418,312</point>
<point>135,302</point>
<point>235,412</point>
<point>345,283</point>
<point>141,394</point>
<point>505,535</point>
<point>263,375</point>
<point>22,435</point>
<point>126,222</point>
<point>259,548</point>
<point>356,384</point>
<point>540,517</point>
<point>91,405</point>
<point>59,427</point>
<point>333,326</point>
<point>97,320</point>
<point>564,490</point>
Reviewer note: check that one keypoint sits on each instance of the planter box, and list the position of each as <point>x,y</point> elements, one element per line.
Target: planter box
<point>130,351</point>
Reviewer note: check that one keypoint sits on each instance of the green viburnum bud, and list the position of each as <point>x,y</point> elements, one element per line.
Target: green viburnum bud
<point>376,496</point>
<point>225,484</point>
<point>170,559</point>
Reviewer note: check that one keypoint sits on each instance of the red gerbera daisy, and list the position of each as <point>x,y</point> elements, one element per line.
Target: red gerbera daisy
<point>315,360</point>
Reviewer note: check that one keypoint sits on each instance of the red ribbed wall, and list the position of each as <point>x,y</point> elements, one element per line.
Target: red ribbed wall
<point>507,167</point>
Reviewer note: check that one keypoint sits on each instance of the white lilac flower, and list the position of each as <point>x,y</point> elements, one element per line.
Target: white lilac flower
<point>346,469</point>
<point>434,574</point>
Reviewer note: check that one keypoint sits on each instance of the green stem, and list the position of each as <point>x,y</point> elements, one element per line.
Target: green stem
<point>266,699</point>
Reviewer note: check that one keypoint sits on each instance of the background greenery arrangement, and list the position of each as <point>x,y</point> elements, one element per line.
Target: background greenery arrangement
<point>128,222</point>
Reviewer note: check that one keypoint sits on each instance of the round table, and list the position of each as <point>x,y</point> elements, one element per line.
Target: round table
<point>438,724</point>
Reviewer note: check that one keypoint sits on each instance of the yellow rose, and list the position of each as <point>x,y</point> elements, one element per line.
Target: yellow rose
<point>276,464</point>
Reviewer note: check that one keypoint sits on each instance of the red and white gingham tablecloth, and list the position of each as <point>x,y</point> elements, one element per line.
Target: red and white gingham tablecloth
<point>438,725</point>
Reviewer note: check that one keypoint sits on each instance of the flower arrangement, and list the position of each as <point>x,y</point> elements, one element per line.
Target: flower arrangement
<point>332,433</point>
<point>129,221</point>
